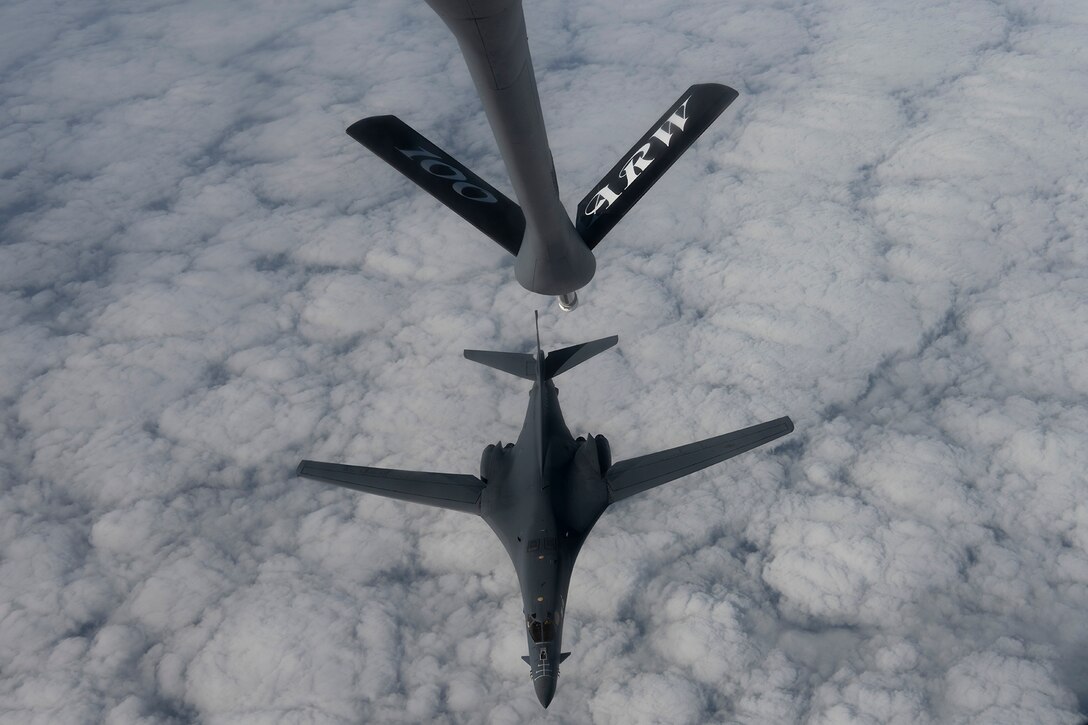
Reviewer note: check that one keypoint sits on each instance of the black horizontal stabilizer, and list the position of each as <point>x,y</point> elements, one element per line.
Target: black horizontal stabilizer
<point>515,363</point>
<point>648,159</point>
<point>636,475</point>
<point>443,177</point>
<point>459,492</point>
<point>560,361</point>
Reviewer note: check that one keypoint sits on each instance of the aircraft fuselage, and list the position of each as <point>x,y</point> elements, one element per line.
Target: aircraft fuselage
<point>541,499</point>
<point>543,494</point>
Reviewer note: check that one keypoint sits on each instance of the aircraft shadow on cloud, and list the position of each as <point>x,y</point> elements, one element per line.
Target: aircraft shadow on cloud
<point>543,494</point>
<point>553,255</point>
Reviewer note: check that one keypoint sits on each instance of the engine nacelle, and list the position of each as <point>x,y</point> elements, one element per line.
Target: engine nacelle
<point>594,455</point>
<point>604,453</point>
<point>493,459</point>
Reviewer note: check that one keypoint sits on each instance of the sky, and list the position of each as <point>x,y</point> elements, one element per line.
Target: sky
<point>203,280</point>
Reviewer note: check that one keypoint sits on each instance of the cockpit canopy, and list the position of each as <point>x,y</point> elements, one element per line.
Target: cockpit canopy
<point>539,631</point>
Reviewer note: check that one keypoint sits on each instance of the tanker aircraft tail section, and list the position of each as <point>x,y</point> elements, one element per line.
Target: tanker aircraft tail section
<point>635,475</point>
<point>553,253</point>
<point>443,177</point>
<point>650,158</point>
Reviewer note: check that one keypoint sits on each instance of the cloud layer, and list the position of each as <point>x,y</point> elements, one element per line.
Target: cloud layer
<point>202,280</point>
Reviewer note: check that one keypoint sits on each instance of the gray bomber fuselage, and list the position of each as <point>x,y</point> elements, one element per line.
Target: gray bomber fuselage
<point>542,500</point>
<point>542,495</point>
<point>553,258</point>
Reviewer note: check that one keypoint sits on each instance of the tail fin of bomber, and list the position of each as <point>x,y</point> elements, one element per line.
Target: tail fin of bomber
<point>650,158</point>
<point>560,361</point>
<point>556,362</point>
<point>443,177</point>
<point>515,363</point>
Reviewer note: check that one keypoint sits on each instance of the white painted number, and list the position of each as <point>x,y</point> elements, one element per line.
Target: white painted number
<point>433,164</point>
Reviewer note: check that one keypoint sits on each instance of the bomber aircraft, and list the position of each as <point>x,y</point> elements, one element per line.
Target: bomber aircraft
<point>543,494</point>
<point>554,255</point>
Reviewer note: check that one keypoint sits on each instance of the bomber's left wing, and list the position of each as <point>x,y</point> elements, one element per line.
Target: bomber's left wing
<point>459,492</point>
<point>636,475</point>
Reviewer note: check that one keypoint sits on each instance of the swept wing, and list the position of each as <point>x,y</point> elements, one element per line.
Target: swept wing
<point>636,475</point>
<point>459,492</point>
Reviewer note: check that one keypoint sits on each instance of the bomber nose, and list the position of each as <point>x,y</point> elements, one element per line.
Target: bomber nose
<point>545,689</point>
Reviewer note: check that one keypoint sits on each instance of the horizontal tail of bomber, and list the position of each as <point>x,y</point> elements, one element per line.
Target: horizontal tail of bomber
<point>443,177</point>
<point>560,361</point>
<point>555,363</point>
<point>515,363</point>
<point>649,159</point>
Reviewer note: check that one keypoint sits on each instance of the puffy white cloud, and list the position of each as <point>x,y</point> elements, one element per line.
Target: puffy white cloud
<point>202,280</point>
<point>991,687</point>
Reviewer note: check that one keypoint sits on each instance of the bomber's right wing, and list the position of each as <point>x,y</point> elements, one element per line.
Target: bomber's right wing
<point>636,475</point>
<point>459,492</point>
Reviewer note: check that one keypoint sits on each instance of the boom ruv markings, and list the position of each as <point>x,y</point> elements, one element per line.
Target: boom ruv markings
<point>554,255</point>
